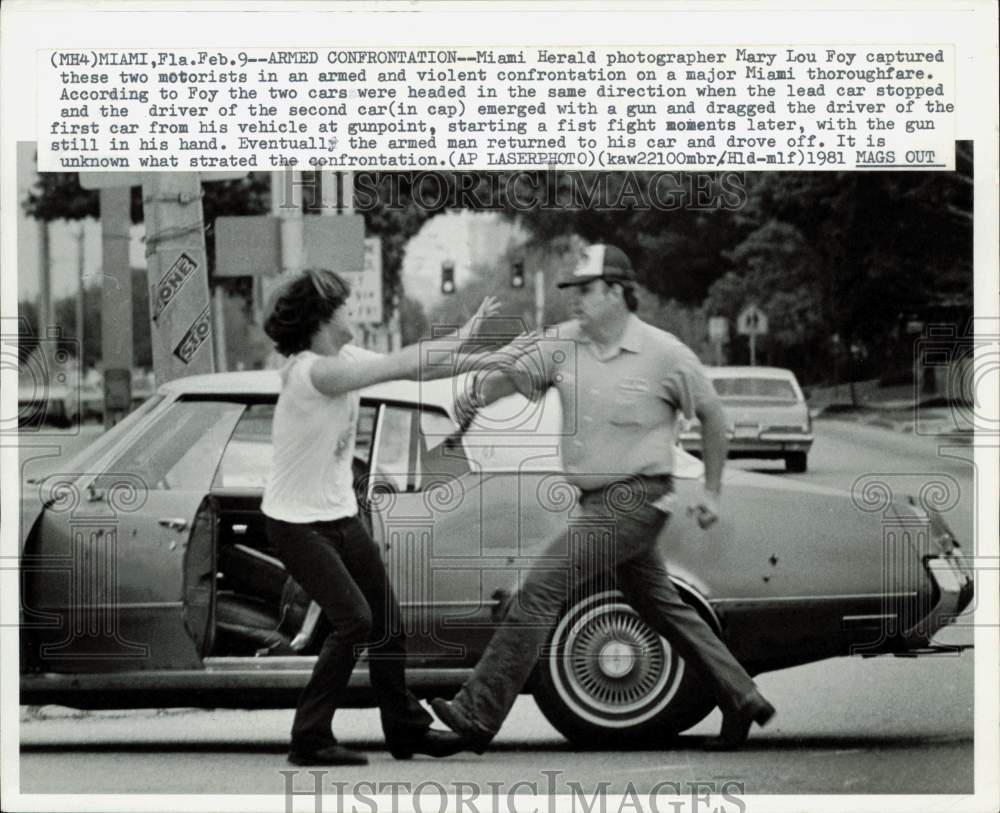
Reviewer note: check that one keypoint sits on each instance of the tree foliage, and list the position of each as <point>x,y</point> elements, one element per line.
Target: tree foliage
<point>847,253</point>
<point>823,253</point>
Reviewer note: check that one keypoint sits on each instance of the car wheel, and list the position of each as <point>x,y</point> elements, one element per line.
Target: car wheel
<point>610,680</point>
<point>796,462</point>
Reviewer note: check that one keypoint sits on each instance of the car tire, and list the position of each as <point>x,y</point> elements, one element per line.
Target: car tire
<point>796,462</point>
<point>596,690</point>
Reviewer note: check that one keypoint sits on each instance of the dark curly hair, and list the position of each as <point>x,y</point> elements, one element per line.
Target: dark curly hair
<point>302,306</point>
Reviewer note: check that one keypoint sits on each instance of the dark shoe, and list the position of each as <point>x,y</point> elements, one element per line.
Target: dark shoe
<point>330,755</point>
<point>736,723</point>
<point>432,743</point>
<point>473,738</point>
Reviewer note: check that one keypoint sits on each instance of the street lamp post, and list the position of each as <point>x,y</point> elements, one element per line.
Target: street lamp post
<point>81,236</point>
<point>539,299</point>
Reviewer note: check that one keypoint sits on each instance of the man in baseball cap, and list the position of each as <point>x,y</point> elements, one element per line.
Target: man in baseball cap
<point>602,261</point>
<point>621,392</point>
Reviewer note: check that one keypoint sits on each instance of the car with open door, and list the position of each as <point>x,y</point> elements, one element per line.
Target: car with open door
<point>148,579</point>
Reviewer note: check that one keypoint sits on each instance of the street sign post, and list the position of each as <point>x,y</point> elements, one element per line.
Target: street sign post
<point>752,322</point>
<point>365,304</point>
<point>718,334</point>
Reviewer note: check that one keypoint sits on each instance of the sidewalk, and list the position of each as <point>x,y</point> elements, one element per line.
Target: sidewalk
<point>899,409</point>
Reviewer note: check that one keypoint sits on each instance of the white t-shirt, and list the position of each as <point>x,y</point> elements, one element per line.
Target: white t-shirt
<point>310,478</point>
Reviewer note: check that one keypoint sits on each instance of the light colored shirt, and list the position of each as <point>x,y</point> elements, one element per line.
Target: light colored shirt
<point>620,408</point>
<point>313,440</point>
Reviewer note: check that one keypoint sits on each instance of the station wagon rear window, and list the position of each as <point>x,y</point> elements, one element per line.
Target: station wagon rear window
<point>771,389</point>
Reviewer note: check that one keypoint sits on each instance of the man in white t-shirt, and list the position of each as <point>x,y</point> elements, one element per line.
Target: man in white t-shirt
<point>312,515</point>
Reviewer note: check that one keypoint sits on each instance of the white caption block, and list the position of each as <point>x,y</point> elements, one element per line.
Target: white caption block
<point>715,107</point>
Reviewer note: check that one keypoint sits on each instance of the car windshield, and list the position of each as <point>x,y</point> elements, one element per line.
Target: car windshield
<point>180,449</point>
<point>769,389</point>
<point>84,461</point>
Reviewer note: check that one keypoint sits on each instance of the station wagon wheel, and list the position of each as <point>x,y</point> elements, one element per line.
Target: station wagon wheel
<point>609,679</point>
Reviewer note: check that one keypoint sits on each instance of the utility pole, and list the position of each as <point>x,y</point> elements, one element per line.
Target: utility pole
<point>80,235</point>
<point>180,311</point>
<point>44,280</point>
<point>117,338</point>
<point>286,205</point>
<point>539,299</point>
<point>178,273</point>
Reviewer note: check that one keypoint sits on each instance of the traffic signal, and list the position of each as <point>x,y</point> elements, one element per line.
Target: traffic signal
<point>517,275</point>
<point>447,277</point>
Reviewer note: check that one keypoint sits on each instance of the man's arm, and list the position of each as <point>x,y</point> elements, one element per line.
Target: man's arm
<point>334,376</point>
<point>714,443</point>
<point>497,376</point>
<point>690,392</point>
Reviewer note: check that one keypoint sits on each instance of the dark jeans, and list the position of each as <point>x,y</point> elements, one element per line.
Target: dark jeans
<point>341,569</point>
<point>615,529</point>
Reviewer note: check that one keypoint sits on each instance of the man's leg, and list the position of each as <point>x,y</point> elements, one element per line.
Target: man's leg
<point>577,556</point>
<point>646,584</point>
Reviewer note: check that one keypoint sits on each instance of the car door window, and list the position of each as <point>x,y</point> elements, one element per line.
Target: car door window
<point>246,461</point>
<point>416,448</point>
<point>514,434</point>
<point>179,450</point>
<point>442,456</point>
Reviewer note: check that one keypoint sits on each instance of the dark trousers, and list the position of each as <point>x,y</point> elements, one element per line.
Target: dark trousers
<point>341,569</point>
<point>585,553</point>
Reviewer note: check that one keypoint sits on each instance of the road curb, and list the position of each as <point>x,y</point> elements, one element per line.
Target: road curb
<point>941,429</point>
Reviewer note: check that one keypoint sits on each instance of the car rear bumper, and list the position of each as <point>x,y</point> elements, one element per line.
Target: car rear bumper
<point>767,445</point>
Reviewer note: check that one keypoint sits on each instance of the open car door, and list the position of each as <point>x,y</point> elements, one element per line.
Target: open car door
<point>120,569</point>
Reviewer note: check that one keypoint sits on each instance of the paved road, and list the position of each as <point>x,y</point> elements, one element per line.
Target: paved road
<point>883,725</point>
<point>845,452</point>
<point>846,725</point>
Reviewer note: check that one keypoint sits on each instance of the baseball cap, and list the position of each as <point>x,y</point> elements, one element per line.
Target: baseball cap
<point>601,261</point>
